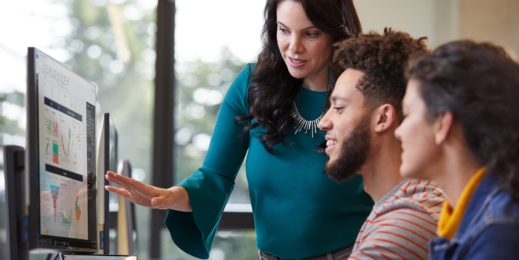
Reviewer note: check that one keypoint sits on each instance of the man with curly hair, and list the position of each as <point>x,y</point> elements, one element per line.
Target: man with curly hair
<point>365,109</point>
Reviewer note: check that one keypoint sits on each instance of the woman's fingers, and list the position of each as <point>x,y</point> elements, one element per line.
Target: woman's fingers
<point>133,185</point>
<point>113,179</point>
<point>126,183</point>
<point>130,196</point>
<point>138,192</point>
<point>118,191</point>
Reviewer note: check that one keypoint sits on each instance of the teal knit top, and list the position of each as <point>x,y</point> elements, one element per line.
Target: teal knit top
<point>298,211</point>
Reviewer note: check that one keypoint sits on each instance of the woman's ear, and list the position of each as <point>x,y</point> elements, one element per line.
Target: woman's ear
<point>385,117</point>
<point>443,127</point>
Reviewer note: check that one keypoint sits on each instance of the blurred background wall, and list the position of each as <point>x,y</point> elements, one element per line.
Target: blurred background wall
<point>444,20</point>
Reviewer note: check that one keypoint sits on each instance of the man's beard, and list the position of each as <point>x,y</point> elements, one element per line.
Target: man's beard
<point>353,154</point>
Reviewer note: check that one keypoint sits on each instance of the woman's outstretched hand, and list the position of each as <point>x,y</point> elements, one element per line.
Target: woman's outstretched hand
<point>147,195</point>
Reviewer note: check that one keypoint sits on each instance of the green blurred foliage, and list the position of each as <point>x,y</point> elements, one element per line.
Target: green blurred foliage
<point>7,125</point>
<point>117,53</point>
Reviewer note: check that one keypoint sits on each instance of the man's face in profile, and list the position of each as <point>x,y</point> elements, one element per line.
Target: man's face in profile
<point>347,126</point>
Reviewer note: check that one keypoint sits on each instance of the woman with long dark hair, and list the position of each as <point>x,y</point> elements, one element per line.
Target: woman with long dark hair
<point>270,113</point>
<point>461,129</point>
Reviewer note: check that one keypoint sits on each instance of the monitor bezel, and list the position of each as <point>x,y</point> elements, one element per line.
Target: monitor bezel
<point>36,240</point>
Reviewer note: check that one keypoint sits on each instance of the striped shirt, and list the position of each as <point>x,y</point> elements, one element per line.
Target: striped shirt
<point>402,223</point>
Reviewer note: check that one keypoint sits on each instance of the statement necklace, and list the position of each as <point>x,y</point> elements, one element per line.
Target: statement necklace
<point>312,126</point>
<point>303,124</point>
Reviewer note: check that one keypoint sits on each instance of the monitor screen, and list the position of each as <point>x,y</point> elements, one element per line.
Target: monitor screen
<point>61,156</point>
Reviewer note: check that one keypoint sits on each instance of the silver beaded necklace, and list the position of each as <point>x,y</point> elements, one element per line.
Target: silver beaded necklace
<point>301,124</point>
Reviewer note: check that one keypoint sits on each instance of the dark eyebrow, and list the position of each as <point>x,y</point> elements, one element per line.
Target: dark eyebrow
<point>304,29</point>
<point>280,23</point>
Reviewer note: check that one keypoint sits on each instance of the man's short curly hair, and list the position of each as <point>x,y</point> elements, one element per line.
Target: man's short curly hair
<point>382,59</point>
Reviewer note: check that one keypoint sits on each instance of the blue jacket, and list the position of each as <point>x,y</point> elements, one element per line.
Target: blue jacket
<point>489,228</point>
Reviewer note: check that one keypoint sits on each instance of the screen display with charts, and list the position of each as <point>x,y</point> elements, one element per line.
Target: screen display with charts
<point>61,155</point>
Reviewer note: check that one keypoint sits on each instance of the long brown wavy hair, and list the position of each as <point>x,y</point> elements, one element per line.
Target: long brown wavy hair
<point>272,90</point>
<point>479,84</point>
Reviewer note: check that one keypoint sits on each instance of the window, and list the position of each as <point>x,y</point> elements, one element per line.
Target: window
<point>212,43</point>
<point>108,42</point>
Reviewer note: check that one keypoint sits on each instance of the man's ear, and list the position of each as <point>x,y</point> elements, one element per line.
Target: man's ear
<point>385,117</point>
<point>442,127</point>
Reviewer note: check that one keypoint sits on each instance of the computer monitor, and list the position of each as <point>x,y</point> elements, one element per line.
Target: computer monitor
<point>14,166</point>
<point>107,157</point>
<point>61,156</point>
<point>126,220</point>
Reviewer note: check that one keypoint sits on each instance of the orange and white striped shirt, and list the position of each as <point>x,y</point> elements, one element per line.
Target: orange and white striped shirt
<point>402,223</point>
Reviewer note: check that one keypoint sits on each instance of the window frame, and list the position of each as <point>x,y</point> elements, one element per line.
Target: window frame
<point>236,216</point>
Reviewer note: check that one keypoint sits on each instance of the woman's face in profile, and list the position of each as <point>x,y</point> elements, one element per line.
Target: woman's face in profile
<point>305,49</point>
<point>416,134</point>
